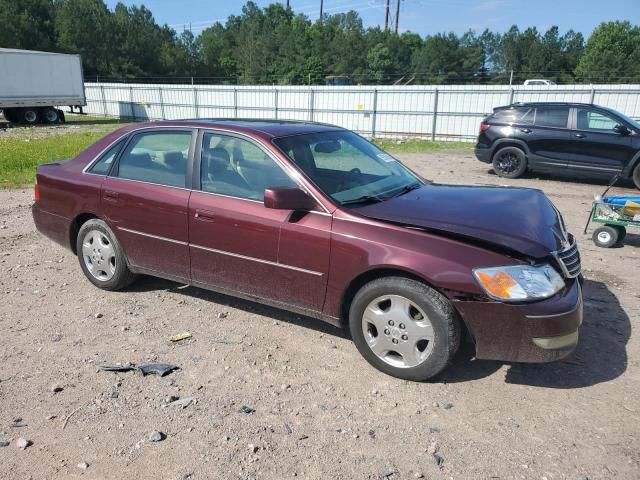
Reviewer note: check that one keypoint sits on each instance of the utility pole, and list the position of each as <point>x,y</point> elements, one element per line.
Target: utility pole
<point>386,17</point>
<point>397,13</point>
<point>287,4</point>
<point>321,8</point>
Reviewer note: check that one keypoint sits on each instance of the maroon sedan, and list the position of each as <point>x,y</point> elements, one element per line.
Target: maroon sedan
<point>314,219</point>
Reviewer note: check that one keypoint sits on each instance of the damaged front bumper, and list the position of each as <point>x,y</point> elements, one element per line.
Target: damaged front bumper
<point>535,332</point>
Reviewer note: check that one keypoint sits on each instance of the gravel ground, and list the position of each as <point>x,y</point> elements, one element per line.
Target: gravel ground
<point>320,410</point>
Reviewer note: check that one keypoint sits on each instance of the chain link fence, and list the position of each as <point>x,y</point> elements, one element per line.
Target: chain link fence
<point>443,112</point>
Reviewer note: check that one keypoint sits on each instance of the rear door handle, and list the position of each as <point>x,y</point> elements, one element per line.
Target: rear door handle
<point>525,130</point>
<point>580,135</point>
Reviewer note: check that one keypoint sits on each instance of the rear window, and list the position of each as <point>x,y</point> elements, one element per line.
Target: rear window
<point>552,117</point>
<point>156,157</point>
<point>515,115</point>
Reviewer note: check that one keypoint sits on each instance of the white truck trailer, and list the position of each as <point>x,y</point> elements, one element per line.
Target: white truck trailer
<point>34,84</point>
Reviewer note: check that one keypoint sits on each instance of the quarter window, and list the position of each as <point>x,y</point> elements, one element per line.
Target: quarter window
<point>238,168</point>
<point>591,120</point>
<point>552,117</point>
<point>156,157</point>
<point>103,165</point>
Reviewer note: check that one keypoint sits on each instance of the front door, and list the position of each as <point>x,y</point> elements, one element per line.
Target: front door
<point>240,246</point>
<point>596,148</point>
<point>145,201</point>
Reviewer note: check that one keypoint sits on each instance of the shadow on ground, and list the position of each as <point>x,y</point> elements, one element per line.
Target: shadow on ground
<point>601,355</point>
<point>145,284</point>
<point>567,177</point>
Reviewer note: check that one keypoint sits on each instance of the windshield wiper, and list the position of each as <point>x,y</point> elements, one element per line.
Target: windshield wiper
<point>406,189</point>
<point>363,200</point>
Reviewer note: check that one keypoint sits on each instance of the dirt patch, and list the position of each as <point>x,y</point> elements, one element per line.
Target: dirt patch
<point>320,410</point>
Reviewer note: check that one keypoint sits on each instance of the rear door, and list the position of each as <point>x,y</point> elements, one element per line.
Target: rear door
<point>240,246</point>
<point>548,138</point>
<point>596,148</point>
<point>145,200</point>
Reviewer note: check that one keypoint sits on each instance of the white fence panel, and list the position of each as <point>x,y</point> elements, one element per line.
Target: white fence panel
<point>437,112</point>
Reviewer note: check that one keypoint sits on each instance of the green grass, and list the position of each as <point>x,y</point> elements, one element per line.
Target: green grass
<point>19,157</point>
<point>420,146</point>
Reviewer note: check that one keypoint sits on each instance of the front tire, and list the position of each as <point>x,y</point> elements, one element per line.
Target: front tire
<point>510,162</point>
<point>101,257</point>
<point>404,328</point>
<point>636,176</point>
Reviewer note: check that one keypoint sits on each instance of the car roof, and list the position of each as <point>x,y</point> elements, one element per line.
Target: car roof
<point>260,127</point>
<point>535,104</point>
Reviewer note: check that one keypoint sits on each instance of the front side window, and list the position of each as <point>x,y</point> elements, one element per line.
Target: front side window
<point>156,157</point>
<point>103,165</point>
<point>347,167</point>
<point>238,168</point>
<point>596,121</point>
<point>552,117</point>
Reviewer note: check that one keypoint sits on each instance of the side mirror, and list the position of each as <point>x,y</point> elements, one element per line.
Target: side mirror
<point>284,198</point>
<point>621,129</point>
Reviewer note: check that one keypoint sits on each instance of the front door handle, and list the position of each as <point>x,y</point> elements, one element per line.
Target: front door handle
<point>204,216</point>
<point>581,135</point>
<point>111,196</point>
<point>525,130</point>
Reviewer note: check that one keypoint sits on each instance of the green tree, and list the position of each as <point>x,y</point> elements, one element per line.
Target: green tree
<point>612,54</point>
<point>379,62</point>
<point>27,24</point>
<point>84,27</point>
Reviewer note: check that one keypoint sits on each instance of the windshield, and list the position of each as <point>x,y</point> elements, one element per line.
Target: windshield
<point>348,168</point>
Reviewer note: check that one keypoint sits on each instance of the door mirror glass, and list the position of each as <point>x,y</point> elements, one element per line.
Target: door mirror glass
<point>284,198</point>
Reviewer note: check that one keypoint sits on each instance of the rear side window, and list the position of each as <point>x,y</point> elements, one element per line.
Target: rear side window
<point>522,115</point>
<point>156,157</point>
<point>552,117</point>
<point>103,165</point>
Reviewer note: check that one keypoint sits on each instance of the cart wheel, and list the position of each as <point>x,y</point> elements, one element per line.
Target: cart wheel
<point>622,232</point>
<point>606,236</point>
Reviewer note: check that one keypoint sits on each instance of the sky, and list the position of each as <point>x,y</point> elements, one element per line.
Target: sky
<point>421,16</point>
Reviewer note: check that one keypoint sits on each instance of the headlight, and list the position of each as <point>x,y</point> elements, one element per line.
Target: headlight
<point>519,282</point>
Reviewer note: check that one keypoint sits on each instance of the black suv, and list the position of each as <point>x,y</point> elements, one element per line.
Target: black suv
<point>575,138</point>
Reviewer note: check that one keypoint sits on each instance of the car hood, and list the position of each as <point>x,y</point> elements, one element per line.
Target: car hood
<point>519,219</point>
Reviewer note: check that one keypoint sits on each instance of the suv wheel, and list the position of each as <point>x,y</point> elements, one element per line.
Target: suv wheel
<point>510,162</point>
<point>636,176</point>
<point>101,256</point>
<point>404,328</point>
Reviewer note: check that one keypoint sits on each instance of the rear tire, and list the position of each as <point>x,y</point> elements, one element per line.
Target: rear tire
<point>606,236</point>
<point>49,115</point>
<point>29,116</point>
<point>101,257</point>
<point>510,162</point>
<point>404,328</point>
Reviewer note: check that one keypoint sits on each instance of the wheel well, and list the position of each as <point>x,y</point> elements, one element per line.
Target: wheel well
<point>75,228</point>
<point>366,277</point>
<point>502,145</point>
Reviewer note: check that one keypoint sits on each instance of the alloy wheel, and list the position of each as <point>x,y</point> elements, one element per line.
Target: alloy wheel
<point>99,255</point>
<point>398,331</point>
